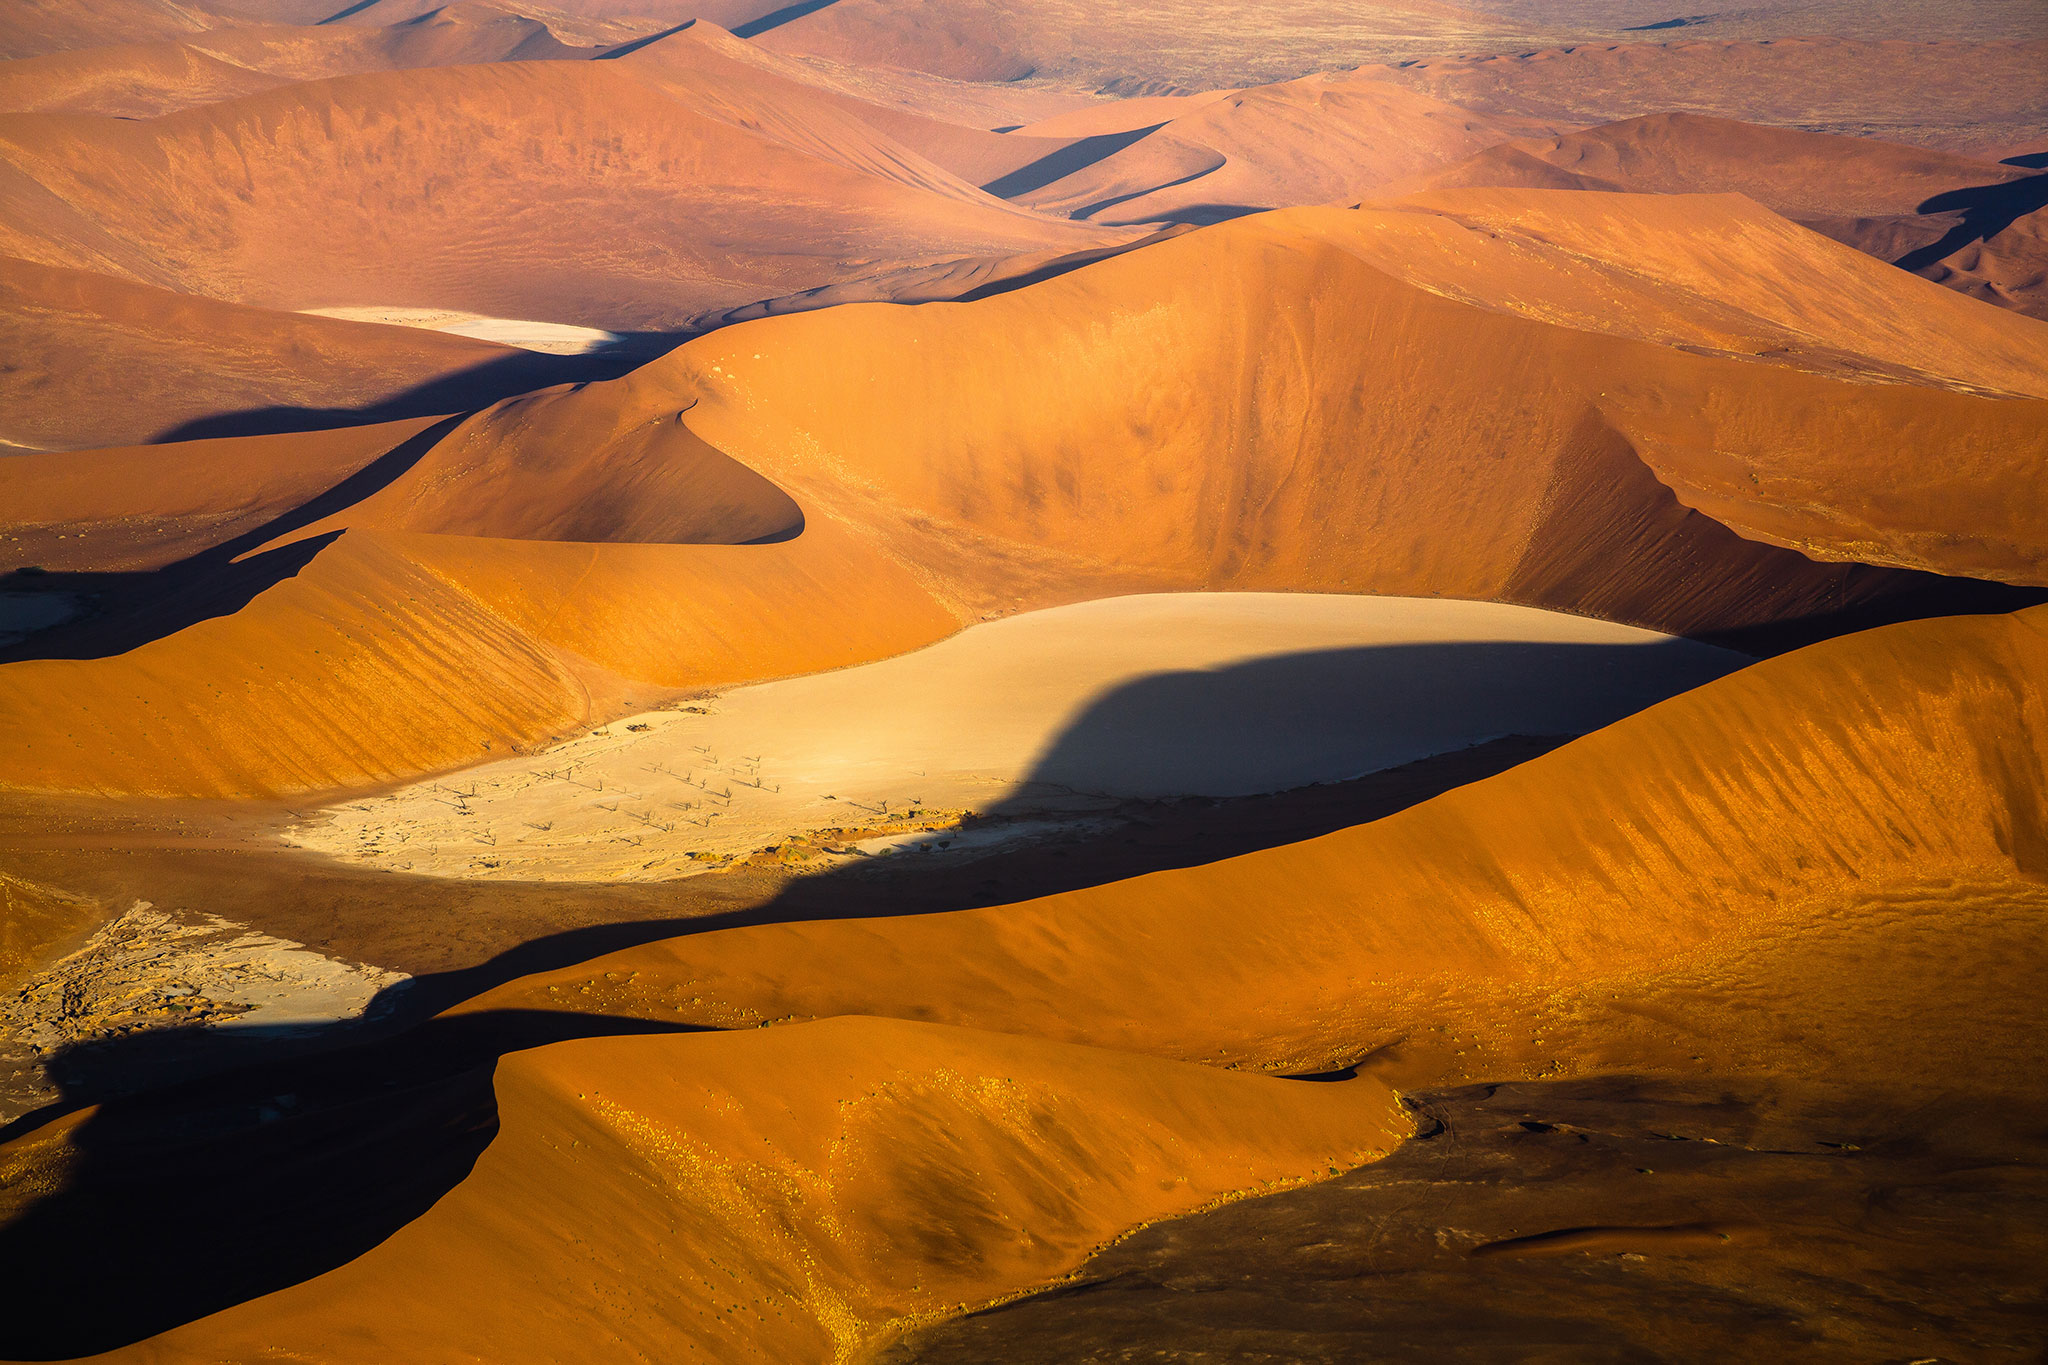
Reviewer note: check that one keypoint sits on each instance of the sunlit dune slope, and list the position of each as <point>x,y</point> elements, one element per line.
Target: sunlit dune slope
<point>144,80</point>
<point>480,188</point>
<point>1316,140</point>
<point>1973,225</point>
<point>1296,401</point>
<point>1816,786</point>
<point>96,361</point>
<point>1307,398</point>
<point>1968,97</point>
<point>786,1195</point>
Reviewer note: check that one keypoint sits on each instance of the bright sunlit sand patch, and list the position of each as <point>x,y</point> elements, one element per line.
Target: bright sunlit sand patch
<point>1051,714</point>
<point>553,338</point>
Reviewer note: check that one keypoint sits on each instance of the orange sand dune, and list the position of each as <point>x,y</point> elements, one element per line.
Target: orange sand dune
<point>1973,225</point>
<point>526,160</point>
<point>96,361</point>
<point>1800,175</point>
<point>1801,794</point>
<point>795,1195</point>
<point>142,81</point>
<point>1184,416</point>
<point>1316,140</point>
<point>1967,97</point>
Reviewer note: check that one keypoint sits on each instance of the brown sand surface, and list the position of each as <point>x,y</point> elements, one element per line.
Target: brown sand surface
<point>1201,439</point>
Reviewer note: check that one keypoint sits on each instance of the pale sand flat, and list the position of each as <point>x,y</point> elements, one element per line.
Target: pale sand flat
<point>552,338</point>
<point>1051,713</point>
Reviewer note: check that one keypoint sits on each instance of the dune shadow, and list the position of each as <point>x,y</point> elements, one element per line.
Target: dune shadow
<point>464,391</point>
<point>1983,212</point>
<point>774,19</point>
<point>1077,155</point>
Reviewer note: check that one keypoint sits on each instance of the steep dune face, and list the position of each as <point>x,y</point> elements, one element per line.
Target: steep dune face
<point>1297,401</point>
<point>475,188</point>
<point>1341,483</point>
<point>1967,97</point>
<point>97,362</point>
<point>787,1195</point>
<point>1312,141</point>
<point>1796,793</point>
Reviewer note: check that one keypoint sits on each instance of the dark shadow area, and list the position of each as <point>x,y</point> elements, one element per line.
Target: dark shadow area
<point>2033,161</point>
<point>1919,596</point>
<point>1055,268</point>
<point>1075,156</point>
<point>629,48</point>
<point>467,391</point>
<point>1985,211</point>
<point>1088,211</point>
<point>131,609</point>
<point>754,28</point>
<point>1689,21</point>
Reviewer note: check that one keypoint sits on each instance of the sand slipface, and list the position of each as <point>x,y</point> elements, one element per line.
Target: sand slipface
<point>1024,723</point>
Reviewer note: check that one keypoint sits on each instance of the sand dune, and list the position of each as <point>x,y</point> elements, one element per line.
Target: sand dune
<point>105,362</point>
<point>1026,723</point>
<point>1973,225</point>
<point>143,81</point>
<point>1797,174</point>
<point>699,213</point>
<point>39,26</point>
<point>1208,435</point>
<point>801,1191</point>
<point>1806,791</point>
<point>1316,140</point>
<point>1967,97</point>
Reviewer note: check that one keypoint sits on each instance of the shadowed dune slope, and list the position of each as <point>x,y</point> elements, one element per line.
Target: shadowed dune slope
<point>1901,758</point>
<point>1296,401</point>
<point>96,361</point>
<point>479,188</point>
<point>1968,97</point>
<point>793,1192</point>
